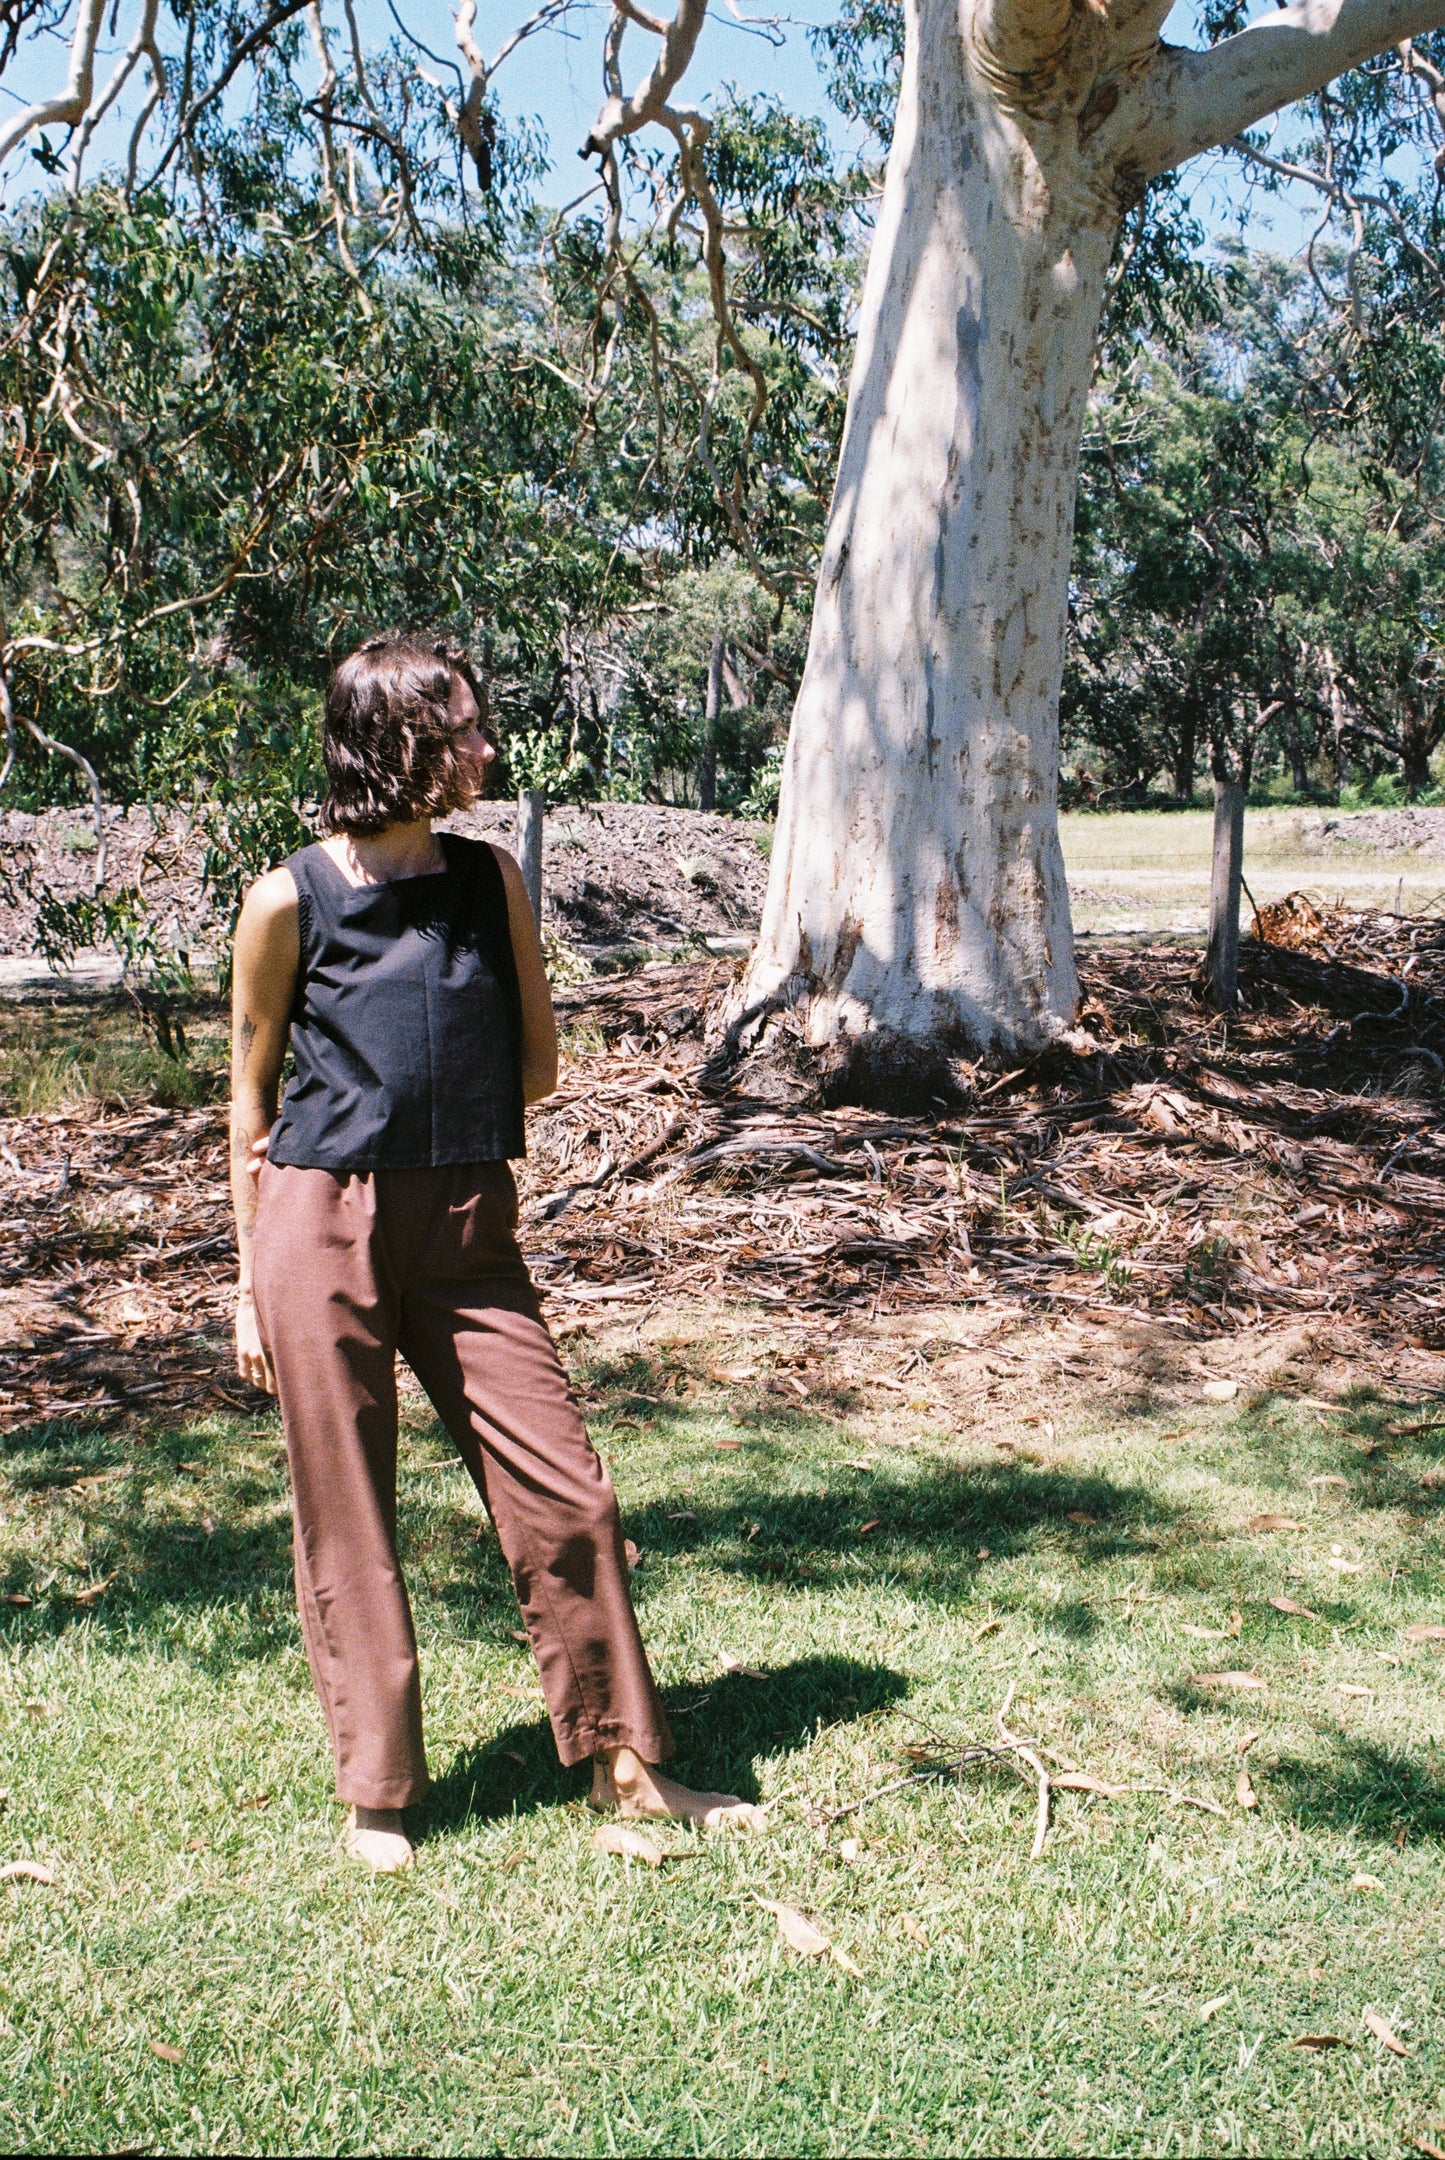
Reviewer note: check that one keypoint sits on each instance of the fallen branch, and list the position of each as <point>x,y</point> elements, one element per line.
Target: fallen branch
<point>1025,1753</point>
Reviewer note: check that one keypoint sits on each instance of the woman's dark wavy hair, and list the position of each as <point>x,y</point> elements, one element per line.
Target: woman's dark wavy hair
<point>389,742</point>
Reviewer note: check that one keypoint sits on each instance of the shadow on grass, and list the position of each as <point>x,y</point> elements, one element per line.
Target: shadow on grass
<point>720,1728</point>
<point>1372,1791</point>
<point>187,1536</point>
<point>930,1532</point>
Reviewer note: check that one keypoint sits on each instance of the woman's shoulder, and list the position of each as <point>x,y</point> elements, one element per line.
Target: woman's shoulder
<point>275,895</point>
<point>485,856</point>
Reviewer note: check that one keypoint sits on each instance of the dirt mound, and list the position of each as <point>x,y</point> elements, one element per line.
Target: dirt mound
<point>615,874</point>
<point>1421,832</point>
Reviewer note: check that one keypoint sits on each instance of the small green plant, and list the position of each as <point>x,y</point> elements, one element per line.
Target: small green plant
<point>1098,1254</point>
<point>761,800</point>
<point>1208,1264</point>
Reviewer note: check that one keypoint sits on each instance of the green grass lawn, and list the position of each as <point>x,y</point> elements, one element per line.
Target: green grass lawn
<point>1137,1990</point>
<point>1149,870</point>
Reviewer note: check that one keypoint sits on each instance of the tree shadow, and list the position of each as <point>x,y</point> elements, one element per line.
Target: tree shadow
<point>928,1533</point>
<point>1372,1791</point>
<point>720,1727</point>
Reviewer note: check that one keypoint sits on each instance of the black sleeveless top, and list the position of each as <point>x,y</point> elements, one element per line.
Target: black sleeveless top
<point>406,1028</point>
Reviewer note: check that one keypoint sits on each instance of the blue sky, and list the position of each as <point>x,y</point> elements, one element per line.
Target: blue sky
<point>555,79</point>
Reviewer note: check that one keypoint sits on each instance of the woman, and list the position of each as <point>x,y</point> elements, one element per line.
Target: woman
<point>377,1214</point>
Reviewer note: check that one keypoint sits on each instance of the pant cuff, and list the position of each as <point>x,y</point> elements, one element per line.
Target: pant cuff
<point>652,1746</point>
<point>390,1793</point>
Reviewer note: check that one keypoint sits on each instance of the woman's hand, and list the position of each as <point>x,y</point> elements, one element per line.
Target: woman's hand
<point>252,1362</point>
<point>256,1157</point>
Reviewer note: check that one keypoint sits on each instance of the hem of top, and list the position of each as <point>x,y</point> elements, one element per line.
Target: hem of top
<point>420,1162</point>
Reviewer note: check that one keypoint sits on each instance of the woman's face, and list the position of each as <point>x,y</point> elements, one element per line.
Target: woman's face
<point>474,746</point>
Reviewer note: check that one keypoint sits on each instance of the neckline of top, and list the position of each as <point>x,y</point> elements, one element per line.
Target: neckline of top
<point>371,885</point>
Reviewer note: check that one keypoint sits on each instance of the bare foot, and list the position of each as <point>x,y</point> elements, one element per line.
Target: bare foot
<point>375,1835</point>
<point>640,1792</point>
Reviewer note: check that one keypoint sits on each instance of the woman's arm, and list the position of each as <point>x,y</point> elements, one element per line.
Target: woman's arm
<point>263,983</point>
<point>539,1022</point>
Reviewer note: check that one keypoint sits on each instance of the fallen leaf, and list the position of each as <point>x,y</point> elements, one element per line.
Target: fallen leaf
<point>634,1557</point>
<point>258,1801</point>
<point>166,2052</point>
<point>1288,1605</point>
<point>1346,1687</point>
<point>1329,1478</point>
<point>17,1597</point>
<point>519,1694</point>
<point>1424,2145</point>
<point>728,1444</point>
<point>1181,1434</point>
<point>1345,1567</point>
<point>92,1591</point>
<point>1374,2023</point>
<point>733,1374</point>
<point>1318,2042</point>
<point>1077,1515</point>
<point>990,1627</point>
<point>1241,1682</point>
<point>1204,1634</point>
<point>1273,1522</point>
<point>744,1672</point>
<point>809,1941</point>
<point>1081,1781</point>
<point>1313,1402</point>
<point>1207,2010</point>
<point>914,1932</point>
<point>1423,1631</point>
<point>857,1463</point>
<point>1362,1881</point>
<point>630,1844</point>
<point>1210,1807</point>
<point>1242,1747</point>
<point>1219,1390</point>
<point>864,1529</point>
<point>26,1871</point>
<point>518,1634</point>
<point>1245,1795</point>
<point>797,1929</point>
<point>849,1850</point>
<point>686,1514</point>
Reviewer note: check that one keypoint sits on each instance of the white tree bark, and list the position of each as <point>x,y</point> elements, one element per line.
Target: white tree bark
<point>69,107</point>
<point>917,886</point>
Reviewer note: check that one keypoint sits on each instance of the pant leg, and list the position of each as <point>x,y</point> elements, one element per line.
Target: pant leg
<point>472,1331</point>
<point>326,1302</point>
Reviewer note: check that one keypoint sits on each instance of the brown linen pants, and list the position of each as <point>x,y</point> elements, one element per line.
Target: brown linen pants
<point>351,1268</point>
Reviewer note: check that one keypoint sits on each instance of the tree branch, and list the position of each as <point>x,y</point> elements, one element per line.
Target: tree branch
<point>624,116</point>
<point>74,101</point>
<point>1193,101</point>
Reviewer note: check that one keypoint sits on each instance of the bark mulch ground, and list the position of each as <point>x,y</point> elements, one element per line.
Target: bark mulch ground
<point>1196,1183</point>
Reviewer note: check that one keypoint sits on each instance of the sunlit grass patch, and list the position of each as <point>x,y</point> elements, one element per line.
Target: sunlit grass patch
<point>829,1597</point>
<point>58,1054</point>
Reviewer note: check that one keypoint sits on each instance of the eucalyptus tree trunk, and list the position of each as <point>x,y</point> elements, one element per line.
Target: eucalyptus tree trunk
<point>917,885</point>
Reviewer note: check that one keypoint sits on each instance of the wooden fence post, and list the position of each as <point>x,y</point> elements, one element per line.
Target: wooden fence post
<point>1221,959</point>
<point>531,802</point>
